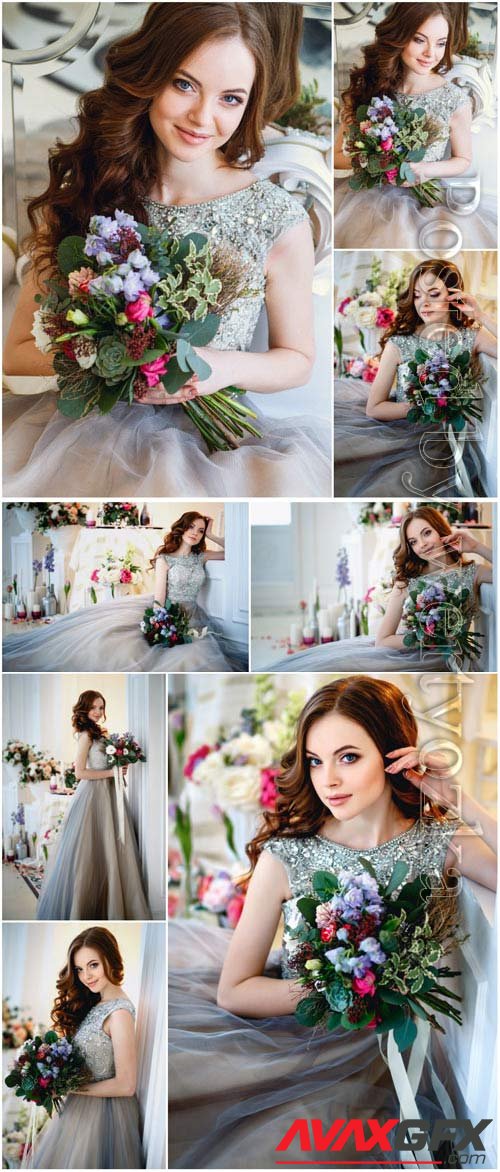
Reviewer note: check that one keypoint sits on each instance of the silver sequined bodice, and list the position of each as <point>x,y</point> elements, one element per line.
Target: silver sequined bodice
<point>407,344</point>
<point>97,758</point>
<point>247,224</point>
<point>186,576</point>
<point>440,104</point>
<point>461,578</point>
<point>95,1045</point>
<point>423,847</point>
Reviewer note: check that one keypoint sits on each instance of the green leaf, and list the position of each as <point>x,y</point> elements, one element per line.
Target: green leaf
<point>459,423</point>
<point>417,155</point>
<point>13,1078</point>
<point>404,1035</point>
<point>70,254</point>
<point>200,333</point>
<point>75,407</point>
<point>195,238</point>
<point>361,113</point>
<point>93,595</point>
<point>367,866</point>
<point>174,378</point>
<point>310,1011</point>
<point>228,826</point>
<point>51,1036</point>
<point>109,397</point>
<point>388,941</point>
<point>307,908</point>
<point>391,996</point>
<point>400,869</point>
<point>420,356</point>
<point>333,1021</point>
<point>181,353</point>
<point>324,885</point>
<point>413,415</point>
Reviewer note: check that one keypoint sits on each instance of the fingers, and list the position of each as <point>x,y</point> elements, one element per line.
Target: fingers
<point>406,749</point>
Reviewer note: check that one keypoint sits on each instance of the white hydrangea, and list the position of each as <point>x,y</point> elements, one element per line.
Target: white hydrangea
<point>42,340</point>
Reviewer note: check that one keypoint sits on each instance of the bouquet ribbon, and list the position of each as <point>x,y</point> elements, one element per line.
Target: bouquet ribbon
<point>120,801</point>
<point>407,1079</point>
<point>29,1143</point>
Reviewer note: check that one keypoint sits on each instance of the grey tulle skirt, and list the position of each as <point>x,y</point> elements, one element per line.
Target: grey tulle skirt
<point>92,1133</point>
<point>107,637</point>
<point>155,451</point>
<point>92,874</point>
<point>391,217</point>
<point>238,1084</point>
<point>361,654</point>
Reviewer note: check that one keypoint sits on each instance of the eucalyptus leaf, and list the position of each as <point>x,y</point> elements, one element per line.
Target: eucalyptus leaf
<point>71,255</point>
<point>310,1011</point>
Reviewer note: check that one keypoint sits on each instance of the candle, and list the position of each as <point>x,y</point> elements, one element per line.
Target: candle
<point>90,519</point>
<point>323,618</point>
<point>7,610</point>
<point>308,636</point>
<point>36,612</point>
<point>295,634</point>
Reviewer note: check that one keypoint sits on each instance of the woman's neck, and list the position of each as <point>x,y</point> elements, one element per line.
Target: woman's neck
<point>189,182</point>
<point>379,823</point>
<point>184,550</point>
<point>414,83</point>
<point>111,992</point>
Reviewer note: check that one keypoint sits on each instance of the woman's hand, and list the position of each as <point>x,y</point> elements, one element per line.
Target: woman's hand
<point>429,772</point>
<point>466,303</point>
<point>461,541</point>
<point>208,530</point>
<point>159,397</point>
<point>420,174</point>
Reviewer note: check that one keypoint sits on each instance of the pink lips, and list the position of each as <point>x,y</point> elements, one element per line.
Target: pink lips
<point>339,799</point>
<point>191,136</point>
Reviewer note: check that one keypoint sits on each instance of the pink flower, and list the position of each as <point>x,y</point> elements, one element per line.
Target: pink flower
<point>365,984</point>
<point>153,370</point>
<point>192,761</point>
<point>138,310</point>
<point>387,144</point>
<point>430,627</point>
<point>369,374</point>
<point>203,887</point>
<point>78,281</point>
<point>391,175</point>
<point>370,1025</point>
<point>355,367</point>
<point>173,903</point>
<point>125,576</point>
<point>441,400</point>
<point>268,791</point>
<point>385,317</point>
<point>94,577</point>
<point>343,304</point>
<point>327,934</point>
<point>43,1082</point>
<point>234,909</point>
<point>368,595</point>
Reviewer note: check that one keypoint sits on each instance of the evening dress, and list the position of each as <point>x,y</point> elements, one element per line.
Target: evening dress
<point>92,874</point>
<point>391,217</point>
<point>156,451</point>
<point>108,637</point>
<point>237,1084</point>
<point>92,1132</point>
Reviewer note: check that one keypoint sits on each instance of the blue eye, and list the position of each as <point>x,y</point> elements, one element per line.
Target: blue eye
<point>232,99</point>
<point>180,82</point>
<point>314,762</point>
<point>349,758</point>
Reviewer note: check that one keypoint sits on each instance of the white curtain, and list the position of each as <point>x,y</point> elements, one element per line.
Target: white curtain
<point>151,1032</point>
<point>146,719</point>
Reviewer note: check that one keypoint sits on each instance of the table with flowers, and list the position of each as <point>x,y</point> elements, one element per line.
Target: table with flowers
<point>90,549</point>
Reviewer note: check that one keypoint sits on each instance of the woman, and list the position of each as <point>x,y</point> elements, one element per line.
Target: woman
<point>178,125</point>
<point>409,62</point>
<point>429,551</point>
<point>95,870</point>
<point>375,446</point>
<point>354,786</point>
<point>100,1127</point>
<point>108,637</point>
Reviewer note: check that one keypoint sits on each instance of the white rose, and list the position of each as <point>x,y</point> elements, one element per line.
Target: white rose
<point>370,299</point>
<point>366,316</point>
<point>42,340</point>
<point>256,748</point>
<point>351,308</point>
<point>239,785</point>
<point>110,750</point>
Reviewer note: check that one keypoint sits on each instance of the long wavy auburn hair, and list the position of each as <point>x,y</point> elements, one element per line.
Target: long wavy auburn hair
<point>382,71</point>
<point>285,23</point>
<point>172,540</point>
<point>81,720</point>
<point>113,160</point>
<point>384,712</point>
<point>407,564</point>
<point>407,319</point>
<point>74,1000</point>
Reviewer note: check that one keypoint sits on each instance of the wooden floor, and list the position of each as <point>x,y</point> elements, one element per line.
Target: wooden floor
<point>18,901</point>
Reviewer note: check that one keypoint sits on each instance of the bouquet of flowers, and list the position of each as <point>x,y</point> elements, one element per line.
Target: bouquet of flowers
<point>47,1069</point>
<point>375,513</point>
<point>20,753</point>
<point>59,513</point>
<point>220,894</point>
<point>123,749</point>
<point>120,513</point>
<point>437,616</point>
<point>70,779</point>
<point>168,625</point>
<point>367,953</point>
<point>384,140</point>
<point>442,388</point>
<point>128,307</point>
<point>364,368</point>
<point>374,305</point>
<point>116,571</point>
<point>16,1028</point>
<point>40,770</point>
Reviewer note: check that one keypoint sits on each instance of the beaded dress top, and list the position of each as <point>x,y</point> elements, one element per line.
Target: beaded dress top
<point>97,758</point>
<point>458,578</point>
<point>407,344</point>
<point>440,104</point>
<point>94,1043</point>
<point>423,846</point>
<point>186,576</point>
<point>246,224</point>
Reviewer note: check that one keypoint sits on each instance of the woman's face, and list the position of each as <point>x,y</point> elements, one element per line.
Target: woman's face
<point>423,539</point>
<point>96,712</point>
<point>90,969</point>
<point>346,768</point>
<point>201,107</point>
<point>195,532</point>
<point>430,298</point>
<point>427,46</point>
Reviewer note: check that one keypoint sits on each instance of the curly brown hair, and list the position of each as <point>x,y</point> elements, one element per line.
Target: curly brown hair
<point>384,712</point>
<point>74,1000</point>
<point>382,71</point>
<point>407,564</point>
<point>81,720</point>
<point>285,23</point>
<point>115,148</point>
<point>172,540</point>
<point>407,319</point>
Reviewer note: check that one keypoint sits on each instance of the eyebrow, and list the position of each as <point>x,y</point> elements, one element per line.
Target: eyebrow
<point>335,751</point>
<point>428,288</point>
<point>230,90</point>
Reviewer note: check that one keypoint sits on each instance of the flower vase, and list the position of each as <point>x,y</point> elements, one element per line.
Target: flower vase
<point>244,827</point>
<point>369,337</point>
<point>187,890</point>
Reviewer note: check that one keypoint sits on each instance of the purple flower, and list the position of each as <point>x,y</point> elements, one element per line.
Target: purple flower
<point>163,320</point>
<point>124,220</point>
<point>110,284</point>
<point>37,566</point>
<point>343,572</point>
<point>337,957</point>
<point>48,560</point>
<point>132,286</point>
<point>373,950</point>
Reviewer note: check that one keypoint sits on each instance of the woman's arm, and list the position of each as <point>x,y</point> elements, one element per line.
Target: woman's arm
<point>485,339</point>
<point>341,161</point>
<point>289,360</point>
<point>242,988</point>
<point>378,405</point>
<point>82,752</point>
<point>161,582</point>
<point>461,150</point>
<point>472,854</point>
<point>464,542</point>
<point>21,356</point>
<point>214,555</point>
<point>386,634</point>
<point>122,1033</point>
